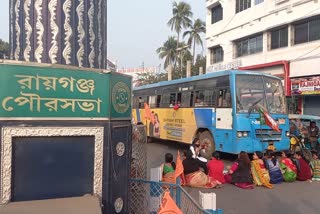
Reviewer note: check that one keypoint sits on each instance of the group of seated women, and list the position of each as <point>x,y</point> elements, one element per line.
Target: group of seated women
<point>263,170</point>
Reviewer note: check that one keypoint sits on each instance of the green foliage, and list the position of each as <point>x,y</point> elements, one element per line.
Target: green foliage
<point>168,52</point>
<point>186,56</point>
<point>181,16</point>
<point>194,35</point>
<point>201,61</point>
<point>4,49</point>
<point>150,78</point>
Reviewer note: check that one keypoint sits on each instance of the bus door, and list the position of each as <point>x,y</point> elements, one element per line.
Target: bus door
<point>223,134</point>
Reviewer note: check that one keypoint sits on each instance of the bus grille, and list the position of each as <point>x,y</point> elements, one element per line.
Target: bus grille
<point>268,134</point>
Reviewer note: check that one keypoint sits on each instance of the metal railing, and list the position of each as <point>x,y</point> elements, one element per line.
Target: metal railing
<point>146,197</point>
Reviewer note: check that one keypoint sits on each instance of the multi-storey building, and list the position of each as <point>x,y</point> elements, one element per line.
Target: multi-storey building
<point>280,37</point>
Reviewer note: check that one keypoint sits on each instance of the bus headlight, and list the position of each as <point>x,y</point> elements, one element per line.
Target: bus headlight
<point>287,134</point>
<point>245,134</point>
<point>239,134</point>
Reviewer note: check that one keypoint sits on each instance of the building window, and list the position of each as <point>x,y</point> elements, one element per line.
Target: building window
<point>242,5</point>
<point>307,31</point>
<point>249,45</point>
<point>279,38</point>
<point>258,2</point>
<point>216,14</point>
<point>216,54</point>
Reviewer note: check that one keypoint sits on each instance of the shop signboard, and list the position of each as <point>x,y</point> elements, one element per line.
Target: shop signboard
<point>305,85</point>
<point>45,92</point>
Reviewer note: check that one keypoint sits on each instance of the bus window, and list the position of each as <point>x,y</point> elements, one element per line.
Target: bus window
<point>275,100</point>
<point>199,99</point>
<point>172,99</point>
<point>250,92</point>
<point>165,101</point>
<point>224,98</point>
<point>178,98</point>
<point>186,97</point>
<point>209,97</point>
<point>152,101</point>
<point>135,101</point>
<point>191,99</point>
<point>158,101</point>
<point>141,102</point>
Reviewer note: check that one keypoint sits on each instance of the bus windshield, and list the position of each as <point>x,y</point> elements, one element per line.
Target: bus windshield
<point>265,91</point>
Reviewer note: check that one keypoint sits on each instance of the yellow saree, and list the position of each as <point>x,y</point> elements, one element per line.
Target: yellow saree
<point>200,179</point>
<point>260,175</point>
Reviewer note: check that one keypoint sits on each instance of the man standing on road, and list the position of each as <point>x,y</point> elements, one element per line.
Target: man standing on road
<point>313,131</point>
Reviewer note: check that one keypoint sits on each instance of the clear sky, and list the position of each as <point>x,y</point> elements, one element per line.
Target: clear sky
<point>4,20</point>
<point>136,28</point>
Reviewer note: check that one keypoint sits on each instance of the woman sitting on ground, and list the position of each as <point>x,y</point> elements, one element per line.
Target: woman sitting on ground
<point>216,167</point>
<point>168,169</point>
<point>195,147</point>
<point>304,171</point>
<point>197,153</point>
<point>194,177</point>
<point>273,167</point>
<point>315,166</point>
<point>202,162</point>
<point>239,174</point>
<point>259,172</point>
<point>288,168</point>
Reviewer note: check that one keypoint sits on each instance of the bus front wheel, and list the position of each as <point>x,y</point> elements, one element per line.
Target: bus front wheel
<point>208,142</point>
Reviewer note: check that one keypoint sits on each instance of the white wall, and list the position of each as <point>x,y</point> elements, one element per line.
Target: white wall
<point>305,67</point>
<point>260,18</point>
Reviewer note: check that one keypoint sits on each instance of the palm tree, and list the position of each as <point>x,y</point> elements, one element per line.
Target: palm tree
<point>168,51</point>
<point>196,29</point>
<point>181,18</point>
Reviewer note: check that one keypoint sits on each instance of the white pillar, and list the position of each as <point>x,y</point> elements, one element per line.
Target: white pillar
<point>169,70</point>
<point>189,66</point>
<point>200,70</point>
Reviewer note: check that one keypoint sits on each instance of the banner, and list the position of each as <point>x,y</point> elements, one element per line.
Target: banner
<point>305,86</point>
<point>168,206</point>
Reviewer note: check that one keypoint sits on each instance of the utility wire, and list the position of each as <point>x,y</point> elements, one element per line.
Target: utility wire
<point>299,57</point>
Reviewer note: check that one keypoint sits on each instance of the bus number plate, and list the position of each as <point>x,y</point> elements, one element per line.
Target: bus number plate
<point>271,147</point>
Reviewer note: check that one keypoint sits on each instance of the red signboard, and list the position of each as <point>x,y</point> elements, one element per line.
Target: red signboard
<point>306,85</point>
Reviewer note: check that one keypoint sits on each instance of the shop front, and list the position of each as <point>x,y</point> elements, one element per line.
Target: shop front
<point>308,90</point>
<point>305,84</point>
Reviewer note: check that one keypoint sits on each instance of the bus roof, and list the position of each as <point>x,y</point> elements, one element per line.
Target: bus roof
<point>201,77</point>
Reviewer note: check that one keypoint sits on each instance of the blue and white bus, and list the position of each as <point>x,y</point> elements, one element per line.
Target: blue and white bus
<point>219,108</point>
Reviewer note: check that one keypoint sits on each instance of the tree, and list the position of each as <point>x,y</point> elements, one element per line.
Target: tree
<point>183,56</point>
<point>168,52</point>
<point>194,39</point>
<point>201,61</point>
<point>181,18</point>
<point>150,78</point>
<point>4,49</point>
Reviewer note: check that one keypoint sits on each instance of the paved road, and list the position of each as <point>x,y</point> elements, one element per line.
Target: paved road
<point>291,198</point>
